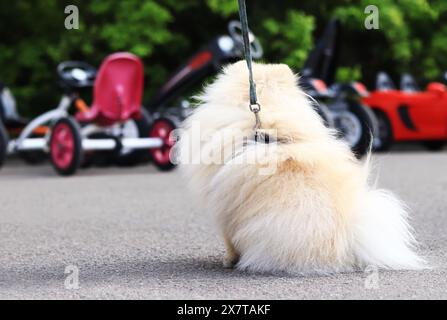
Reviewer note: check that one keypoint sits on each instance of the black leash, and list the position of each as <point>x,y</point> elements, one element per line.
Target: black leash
<point>255,107</point>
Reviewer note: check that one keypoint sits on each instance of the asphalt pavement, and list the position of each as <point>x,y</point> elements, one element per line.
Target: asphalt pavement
<point>134,233</point>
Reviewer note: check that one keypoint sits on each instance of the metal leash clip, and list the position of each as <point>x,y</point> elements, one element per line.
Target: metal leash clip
<point>256,108</point>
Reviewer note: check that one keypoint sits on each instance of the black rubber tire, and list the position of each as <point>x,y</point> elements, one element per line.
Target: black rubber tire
<point>77,150</point>
<point>165,166</point>
<point>385,132</point>
<point>435,145</point>
<point>325,114</point>
<point>136,157</point>
<point>368,125</point>
<point>87,160</point>
<point>3,143</point>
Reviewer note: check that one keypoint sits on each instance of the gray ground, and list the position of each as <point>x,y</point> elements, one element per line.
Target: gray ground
<point>133,233</point>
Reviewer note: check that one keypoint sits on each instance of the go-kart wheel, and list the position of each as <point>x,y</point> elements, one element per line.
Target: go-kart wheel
<point>135,128</point>
<point>384,137</point>
<point>325,114</point>
<point>357,126</point>
<point>434,145</point>
<point>162,128</point>
<point>66,146</point>
<point>235,31</point>
<point>3,143</point>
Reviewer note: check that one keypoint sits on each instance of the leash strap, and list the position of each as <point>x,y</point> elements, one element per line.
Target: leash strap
<point>255,107</point>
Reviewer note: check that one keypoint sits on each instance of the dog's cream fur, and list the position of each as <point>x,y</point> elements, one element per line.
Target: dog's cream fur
<point>316,213</point>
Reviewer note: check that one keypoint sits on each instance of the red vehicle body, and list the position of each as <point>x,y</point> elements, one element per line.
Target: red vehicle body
<point>410,115</point>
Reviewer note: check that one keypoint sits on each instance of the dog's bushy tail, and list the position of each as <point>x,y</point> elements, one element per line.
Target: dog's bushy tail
<point>383,236</point>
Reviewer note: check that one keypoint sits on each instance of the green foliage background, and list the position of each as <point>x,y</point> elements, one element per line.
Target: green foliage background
<point>412,37</point>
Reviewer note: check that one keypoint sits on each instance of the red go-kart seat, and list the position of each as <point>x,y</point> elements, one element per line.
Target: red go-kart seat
<point>118,91</point>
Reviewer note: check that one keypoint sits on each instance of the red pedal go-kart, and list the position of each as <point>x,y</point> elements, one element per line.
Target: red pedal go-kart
<point>103,127</point>
<point>409,114</point>
<point>118,91</point>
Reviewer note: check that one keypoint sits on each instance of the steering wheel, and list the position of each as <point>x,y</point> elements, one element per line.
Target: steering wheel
<point>76,74</point>
<point>235,31</point>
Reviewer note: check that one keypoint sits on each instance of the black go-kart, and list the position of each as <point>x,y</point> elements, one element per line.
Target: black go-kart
<point>170,101</point>
<point>355,122</point>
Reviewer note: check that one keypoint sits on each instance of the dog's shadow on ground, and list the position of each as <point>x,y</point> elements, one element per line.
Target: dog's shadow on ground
<point>179,269</point>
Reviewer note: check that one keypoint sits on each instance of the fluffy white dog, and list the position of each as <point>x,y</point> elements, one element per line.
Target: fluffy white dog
<point>301,203</point>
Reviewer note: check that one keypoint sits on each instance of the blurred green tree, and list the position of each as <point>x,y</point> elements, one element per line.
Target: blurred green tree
<point>412,37</point>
